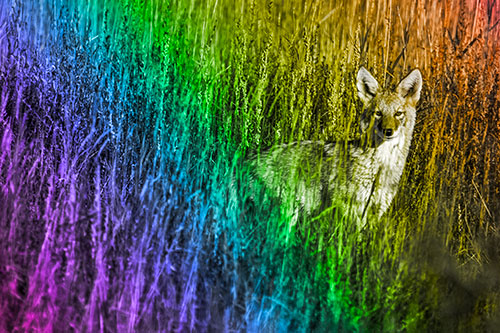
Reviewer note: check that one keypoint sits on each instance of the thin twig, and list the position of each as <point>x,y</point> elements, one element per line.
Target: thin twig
<point>482,200</point>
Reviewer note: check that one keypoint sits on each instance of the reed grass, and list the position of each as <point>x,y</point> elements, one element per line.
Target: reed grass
<point>124,205</point>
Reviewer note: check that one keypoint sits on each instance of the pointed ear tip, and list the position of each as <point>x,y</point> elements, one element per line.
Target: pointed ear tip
<point>362,69</point>
<point>416,71</point>
<point>415,77</point>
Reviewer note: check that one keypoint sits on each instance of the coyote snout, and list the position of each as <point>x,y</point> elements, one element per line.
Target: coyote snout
<point>363,173</point>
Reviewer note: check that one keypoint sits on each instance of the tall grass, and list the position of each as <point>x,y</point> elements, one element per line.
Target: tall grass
<point>124,204</point>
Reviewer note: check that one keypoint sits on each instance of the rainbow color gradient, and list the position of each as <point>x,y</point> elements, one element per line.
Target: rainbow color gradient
<point>124,206</point>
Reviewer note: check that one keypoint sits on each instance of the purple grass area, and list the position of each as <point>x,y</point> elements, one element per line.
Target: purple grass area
<point>101,223</point>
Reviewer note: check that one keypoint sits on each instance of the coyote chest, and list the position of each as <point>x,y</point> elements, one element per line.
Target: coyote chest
<point>373,177</point>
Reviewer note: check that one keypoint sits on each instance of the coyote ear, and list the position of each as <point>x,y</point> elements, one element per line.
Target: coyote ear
<point>409,88</point>
<point>367,85</point>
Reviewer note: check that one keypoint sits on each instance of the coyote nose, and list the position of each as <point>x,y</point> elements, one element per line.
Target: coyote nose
<point>388,132</point>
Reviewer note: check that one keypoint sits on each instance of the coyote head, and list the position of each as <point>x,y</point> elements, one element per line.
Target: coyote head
<point>388,113</point>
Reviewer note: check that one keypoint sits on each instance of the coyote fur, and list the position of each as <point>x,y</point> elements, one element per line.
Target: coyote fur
<point>362,174</point>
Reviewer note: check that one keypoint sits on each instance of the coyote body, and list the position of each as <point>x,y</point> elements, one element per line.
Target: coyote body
<point>363,174</point>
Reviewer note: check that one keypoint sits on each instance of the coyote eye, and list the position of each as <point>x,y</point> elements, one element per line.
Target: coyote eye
<point>398,114</point>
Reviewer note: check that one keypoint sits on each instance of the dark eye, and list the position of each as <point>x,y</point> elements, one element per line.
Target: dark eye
<point>398,114</point>
<point>378,114</point>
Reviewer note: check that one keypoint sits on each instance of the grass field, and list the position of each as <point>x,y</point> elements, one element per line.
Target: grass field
<point>123,125</point>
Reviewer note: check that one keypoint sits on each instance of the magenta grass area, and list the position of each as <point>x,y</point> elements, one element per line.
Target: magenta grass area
<point>124,206</point>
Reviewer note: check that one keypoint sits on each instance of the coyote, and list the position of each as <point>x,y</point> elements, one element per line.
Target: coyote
<point>362,174</point>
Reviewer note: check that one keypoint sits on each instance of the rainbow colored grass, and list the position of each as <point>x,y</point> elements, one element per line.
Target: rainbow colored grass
<point>124,206</point>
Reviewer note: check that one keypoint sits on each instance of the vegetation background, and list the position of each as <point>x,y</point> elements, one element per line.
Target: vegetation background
<point>122,126</point>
